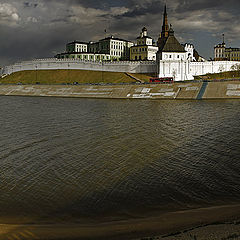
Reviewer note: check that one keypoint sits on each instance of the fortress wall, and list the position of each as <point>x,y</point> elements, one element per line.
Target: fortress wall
<point>201,68</point>
<point>185,70</point>
<point>180,70</point>
<point>52,64</point>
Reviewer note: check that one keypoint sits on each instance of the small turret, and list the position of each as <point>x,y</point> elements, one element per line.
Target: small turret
<point>171,31</point>
<point>144,32</point>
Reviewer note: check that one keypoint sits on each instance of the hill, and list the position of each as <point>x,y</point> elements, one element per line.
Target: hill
<point>70,77</point>
<point>222,75</point>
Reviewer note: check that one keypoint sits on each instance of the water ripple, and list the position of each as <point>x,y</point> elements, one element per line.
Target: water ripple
<point>73,158</point>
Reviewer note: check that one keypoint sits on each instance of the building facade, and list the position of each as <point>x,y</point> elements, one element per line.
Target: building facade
<point>144,49</point>
<point>80,50</point>
<point>108,49</point>
<point>76,47</point>
<point>222,53</point>
<point>118,49</point>
<point>84,56</point>
<point>182,62</point>
<point>232,54</point>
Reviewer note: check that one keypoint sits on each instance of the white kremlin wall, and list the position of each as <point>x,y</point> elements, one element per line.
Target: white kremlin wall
<point>178,69</point>
<point>53,63</point>
<point>182,70</point>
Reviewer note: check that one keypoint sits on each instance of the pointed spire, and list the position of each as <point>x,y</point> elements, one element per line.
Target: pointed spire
<point>165,26</point>
<point>165,9</point>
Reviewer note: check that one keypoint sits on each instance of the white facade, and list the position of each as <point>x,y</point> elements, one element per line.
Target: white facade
<point>108,66</point>
<point>76,47</point>
<point>171,56</point>
<point>144,50</point>
<point>115,47</point>
<point>85,56</point>
<point>182,70</point>
<point>189,48</point>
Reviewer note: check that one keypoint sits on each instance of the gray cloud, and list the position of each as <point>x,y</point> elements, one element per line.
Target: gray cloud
<point>8,15</point>
<point>30,4</point>
<point>41,28</point>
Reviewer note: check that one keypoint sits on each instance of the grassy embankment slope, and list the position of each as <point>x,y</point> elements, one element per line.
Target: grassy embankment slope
<point>223,75</point>
<point>69,77</point>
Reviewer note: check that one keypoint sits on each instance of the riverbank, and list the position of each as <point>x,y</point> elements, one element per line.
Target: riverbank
<point>219,222</point>
<point>71,76</point>
<point>186,90</point>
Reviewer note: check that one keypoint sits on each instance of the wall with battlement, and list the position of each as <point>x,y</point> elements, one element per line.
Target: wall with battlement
<point>52,64</point>
<point>186,70</point>
<point>180,70</point>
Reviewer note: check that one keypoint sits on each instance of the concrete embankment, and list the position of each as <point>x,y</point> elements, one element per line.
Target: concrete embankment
<point>188,90</point>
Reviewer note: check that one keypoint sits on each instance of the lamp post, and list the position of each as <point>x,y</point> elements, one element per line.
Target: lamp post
<point>36,73</point>
<point>102,69</point>
<point>68,73</point>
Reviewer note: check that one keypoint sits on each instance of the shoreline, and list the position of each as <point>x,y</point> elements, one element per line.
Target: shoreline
<point>174,91</point>
<point>165,226</point>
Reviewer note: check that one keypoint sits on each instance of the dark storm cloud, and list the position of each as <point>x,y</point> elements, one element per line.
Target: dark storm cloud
<point>188,5</point>
<point>29,4</point>
<point>99,4</point>
<point>40,28</point>
<point>154,7</point>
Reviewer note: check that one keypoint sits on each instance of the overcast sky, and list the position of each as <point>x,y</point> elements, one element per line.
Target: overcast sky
<point>41,28</point>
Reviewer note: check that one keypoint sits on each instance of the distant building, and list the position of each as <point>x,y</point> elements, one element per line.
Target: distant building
<point>84,56</point>
<point>144,50</point>
<point>232,54</point>
<point>170,48</point>
<point>76,47</point>
<point>107,49</point>
<point>181,62</point>
<point>192,54</point>
<point>222,53</point>
<point>80,50</point>
<point>118,49</point>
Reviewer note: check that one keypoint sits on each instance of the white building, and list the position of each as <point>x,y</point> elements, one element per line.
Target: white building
<point>107,49</point>
<point>178,61</point>
<point>189,48</point>
<point>144,50</point>
<point>182,62</point>
<point>85,56</point>
<point>76,47</point>
<point>118,49</point>
<point>222,53</point>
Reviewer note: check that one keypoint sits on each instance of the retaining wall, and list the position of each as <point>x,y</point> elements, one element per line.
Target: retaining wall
<point>216,90</point>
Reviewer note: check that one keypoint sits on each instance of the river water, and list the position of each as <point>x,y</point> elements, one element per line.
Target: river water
<point>70,159</point>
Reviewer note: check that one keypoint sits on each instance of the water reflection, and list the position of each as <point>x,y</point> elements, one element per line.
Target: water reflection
<point>68,159</point>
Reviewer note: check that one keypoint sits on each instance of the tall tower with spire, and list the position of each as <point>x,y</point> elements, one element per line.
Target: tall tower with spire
<point>168,45</point>
<point>165,26</point>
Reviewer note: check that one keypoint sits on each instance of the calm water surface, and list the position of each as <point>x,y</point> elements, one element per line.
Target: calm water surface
<point>77,158</point>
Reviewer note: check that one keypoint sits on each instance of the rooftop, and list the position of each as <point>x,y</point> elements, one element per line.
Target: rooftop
<point>144,37</point>
<point>78,42</point>
<point>113,38</point>
<point>170,44</point>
